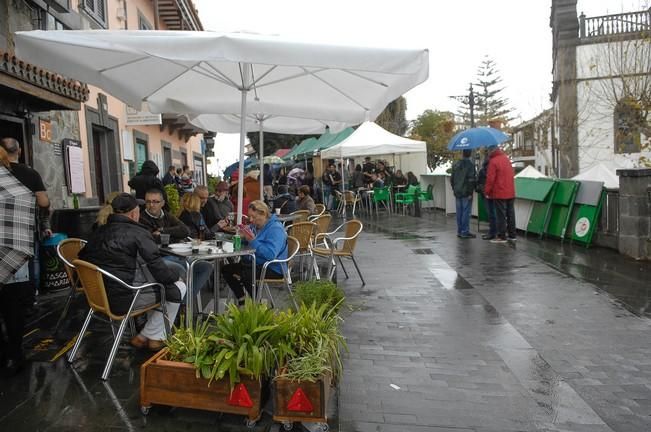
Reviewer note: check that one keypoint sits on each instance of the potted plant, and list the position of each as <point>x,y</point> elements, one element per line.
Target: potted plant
<point>312,364</point>
<point>319,292</point>
<point>219,365</point>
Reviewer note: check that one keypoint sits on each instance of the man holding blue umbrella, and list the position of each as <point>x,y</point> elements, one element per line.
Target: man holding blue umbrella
<point>463,185</point>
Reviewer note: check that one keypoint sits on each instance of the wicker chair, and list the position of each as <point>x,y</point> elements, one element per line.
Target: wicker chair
<point>92,279</point>
<point>263,282</point>
<point>68,251</point>
<point>301,215</point>
<point>340,247</point>
<point>304,232</point>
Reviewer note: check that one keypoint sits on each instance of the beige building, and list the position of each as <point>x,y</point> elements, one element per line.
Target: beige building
<point>79,137</point>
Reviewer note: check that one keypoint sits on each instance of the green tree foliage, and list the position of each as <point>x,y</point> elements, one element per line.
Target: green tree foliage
<point>394,118</point>
<point>435,128</point>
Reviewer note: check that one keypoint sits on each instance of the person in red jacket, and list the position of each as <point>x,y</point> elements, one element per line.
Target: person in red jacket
<point>500,187</point>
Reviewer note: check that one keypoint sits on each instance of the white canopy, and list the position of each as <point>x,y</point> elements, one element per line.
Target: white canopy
<point>230,123</point>
<point>602,173</point>
<point>208,72</point>
<point>530,172</point>
<point>370,139</point>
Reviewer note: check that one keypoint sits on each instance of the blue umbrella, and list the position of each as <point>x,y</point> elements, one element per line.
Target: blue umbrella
<point>229,169</point>
<point>473,138</point>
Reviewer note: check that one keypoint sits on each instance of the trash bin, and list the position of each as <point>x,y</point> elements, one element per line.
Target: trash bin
<point>53,273</point>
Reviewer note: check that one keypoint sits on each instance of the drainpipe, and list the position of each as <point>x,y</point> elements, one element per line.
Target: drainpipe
<point>156,17</point>
<point>126,15</point>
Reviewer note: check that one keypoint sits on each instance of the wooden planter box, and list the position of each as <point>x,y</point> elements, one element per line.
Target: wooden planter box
<point>175,384</point>
<point>301,396</point>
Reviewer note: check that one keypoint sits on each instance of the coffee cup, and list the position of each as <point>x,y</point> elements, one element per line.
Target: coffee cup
<point>164,239</point>
<point>277,212</point>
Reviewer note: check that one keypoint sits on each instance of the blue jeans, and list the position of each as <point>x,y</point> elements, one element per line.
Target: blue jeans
<point>464,207</point>
<point>492,218</point>
<point>202,271</point>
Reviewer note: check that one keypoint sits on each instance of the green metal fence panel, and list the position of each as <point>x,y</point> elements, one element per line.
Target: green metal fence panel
<point>540,191</point>
<point>585,215</point>
<point>561,207</point>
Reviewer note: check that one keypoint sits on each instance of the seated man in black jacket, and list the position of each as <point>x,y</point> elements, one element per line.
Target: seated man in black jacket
<point>126,249</point>
<point>159,221</point>
<point>285,201</point>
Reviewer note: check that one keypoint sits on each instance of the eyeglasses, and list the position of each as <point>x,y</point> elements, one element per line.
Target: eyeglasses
<point>152,202</point>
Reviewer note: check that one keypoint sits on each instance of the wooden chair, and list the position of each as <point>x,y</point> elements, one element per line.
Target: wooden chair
<point>92,280</point>
<point>340,247</point>
<point>302,215</point>
<point>304,232</point>
<point>263,282</point>
<point>68,251</point>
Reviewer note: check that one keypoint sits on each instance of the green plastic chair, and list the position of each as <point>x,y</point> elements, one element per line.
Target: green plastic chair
<point>427,195</point>
<point>381,196</point>
<point>408,198</point>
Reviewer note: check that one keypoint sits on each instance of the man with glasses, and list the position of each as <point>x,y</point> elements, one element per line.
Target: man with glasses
<point>159,221</point>
<point>214,209</point>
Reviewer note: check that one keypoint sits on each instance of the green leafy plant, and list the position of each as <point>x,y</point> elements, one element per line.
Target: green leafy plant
<point>173,199</point>
<point>319,292</point>
<point>315,340</point>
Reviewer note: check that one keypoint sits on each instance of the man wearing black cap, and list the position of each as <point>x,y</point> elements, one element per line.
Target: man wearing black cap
<point>126,249</point>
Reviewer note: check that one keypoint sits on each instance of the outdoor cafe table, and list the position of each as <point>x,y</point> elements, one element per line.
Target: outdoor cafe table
<point>215,255</point>
<point>284,218</point>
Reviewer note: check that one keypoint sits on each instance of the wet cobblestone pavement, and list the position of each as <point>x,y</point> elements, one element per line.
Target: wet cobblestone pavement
<point>463,335</point>
<point>446,335</point>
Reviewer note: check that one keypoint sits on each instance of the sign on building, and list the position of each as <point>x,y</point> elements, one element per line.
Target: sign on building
<point>139,118</point>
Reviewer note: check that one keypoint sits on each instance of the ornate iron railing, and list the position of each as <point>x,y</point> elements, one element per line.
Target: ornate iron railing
<point>617,24</point>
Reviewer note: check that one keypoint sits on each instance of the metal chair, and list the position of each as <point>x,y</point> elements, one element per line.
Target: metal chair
<point>319,210</point>
<point>350,199</point>
<point>68,251</point>
<point>263,282</point>
<point>302,215</point>
<point>304,232</point>
<point>92,280</point>
<point>340,247</point>
<point>322,225</point>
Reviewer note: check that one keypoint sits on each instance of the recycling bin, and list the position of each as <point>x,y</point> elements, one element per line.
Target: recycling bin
<point>53,273</point>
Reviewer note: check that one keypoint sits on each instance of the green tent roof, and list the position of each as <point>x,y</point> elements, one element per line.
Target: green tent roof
<point>299,148</point>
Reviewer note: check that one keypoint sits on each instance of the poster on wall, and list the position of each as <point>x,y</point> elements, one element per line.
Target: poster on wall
<point>74,161</point>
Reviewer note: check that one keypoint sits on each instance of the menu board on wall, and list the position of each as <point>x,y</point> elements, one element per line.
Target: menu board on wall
<point>74,161</point>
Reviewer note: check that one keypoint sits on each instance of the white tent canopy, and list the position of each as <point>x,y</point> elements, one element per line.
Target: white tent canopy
<point>530,172</point>
<point>191,72</point>
<point>370,139</point>
<point>602,173</point>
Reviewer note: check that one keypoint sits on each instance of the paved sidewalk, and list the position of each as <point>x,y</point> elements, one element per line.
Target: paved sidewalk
<point>465,335</point>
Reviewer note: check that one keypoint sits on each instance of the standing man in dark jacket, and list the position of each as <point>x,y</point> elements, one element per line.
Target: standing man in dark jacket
<point>463,185</point>
<point>147,179</point>
<point>170,177</point>
<point>126,249</point>
<point>159,221</point>
<point>500,187</point>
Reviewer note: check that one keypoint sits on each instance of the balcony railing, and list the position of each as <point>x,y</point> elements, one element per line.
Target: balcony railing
<point>617,24</point>
<point>523,152</point>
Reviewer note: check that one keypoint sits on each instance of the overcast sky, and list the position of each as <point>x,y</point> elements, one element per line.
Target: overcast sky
<point>458,34</point>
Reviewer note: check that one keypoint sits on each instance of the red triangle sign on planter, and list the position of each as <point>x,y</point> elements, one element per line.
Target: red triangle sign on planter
<point>299,402</point>
<point>240,397</point>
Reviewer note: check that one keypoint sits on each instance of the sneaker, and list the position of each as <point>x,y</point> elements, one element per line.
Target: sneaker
<point>498,240</point>
<point>467,236</point>
<point>487,237</point>
<point>509,238</point>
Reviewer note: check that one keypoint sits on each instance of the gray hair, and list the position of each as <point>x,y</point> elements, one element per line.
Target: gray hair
<point>11,145</point>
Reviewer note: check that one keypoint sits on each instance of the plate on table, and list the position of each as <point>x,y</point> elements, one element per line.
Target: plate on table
<point>180,247</point>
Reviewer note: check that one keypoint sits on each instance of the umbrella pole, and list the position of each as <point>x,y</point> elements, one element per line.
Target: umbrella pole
<point>261,179</point>
<point>343,188</point>
<point>240,181</point>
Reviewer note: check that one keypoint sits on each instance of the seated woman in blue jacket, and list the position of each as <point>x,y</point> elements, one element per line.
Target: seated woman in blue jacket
<point>267,235</point>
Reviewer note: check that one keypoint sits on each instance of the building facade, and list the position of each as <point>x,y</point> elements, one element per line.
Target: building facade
<point>79,137</point>
<point>531,144</point>
<point>601,91</point>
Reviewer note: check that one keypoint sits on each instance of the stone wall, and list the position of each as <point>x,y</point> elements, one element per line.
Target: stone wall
<point>635,212</point>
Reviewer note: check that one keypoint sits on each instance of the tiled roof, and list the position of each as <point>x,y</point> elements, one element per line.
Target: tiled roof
<point>53,82</point>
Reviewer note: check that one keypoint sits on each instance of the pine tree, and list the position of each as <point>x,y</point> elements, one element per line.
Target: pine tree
<point>491,105</point>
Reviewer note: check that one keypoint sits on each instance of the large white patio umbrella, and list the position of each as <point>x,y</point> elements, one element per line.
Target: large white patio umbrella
<point>206,72</point>
<point>231,123</point>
